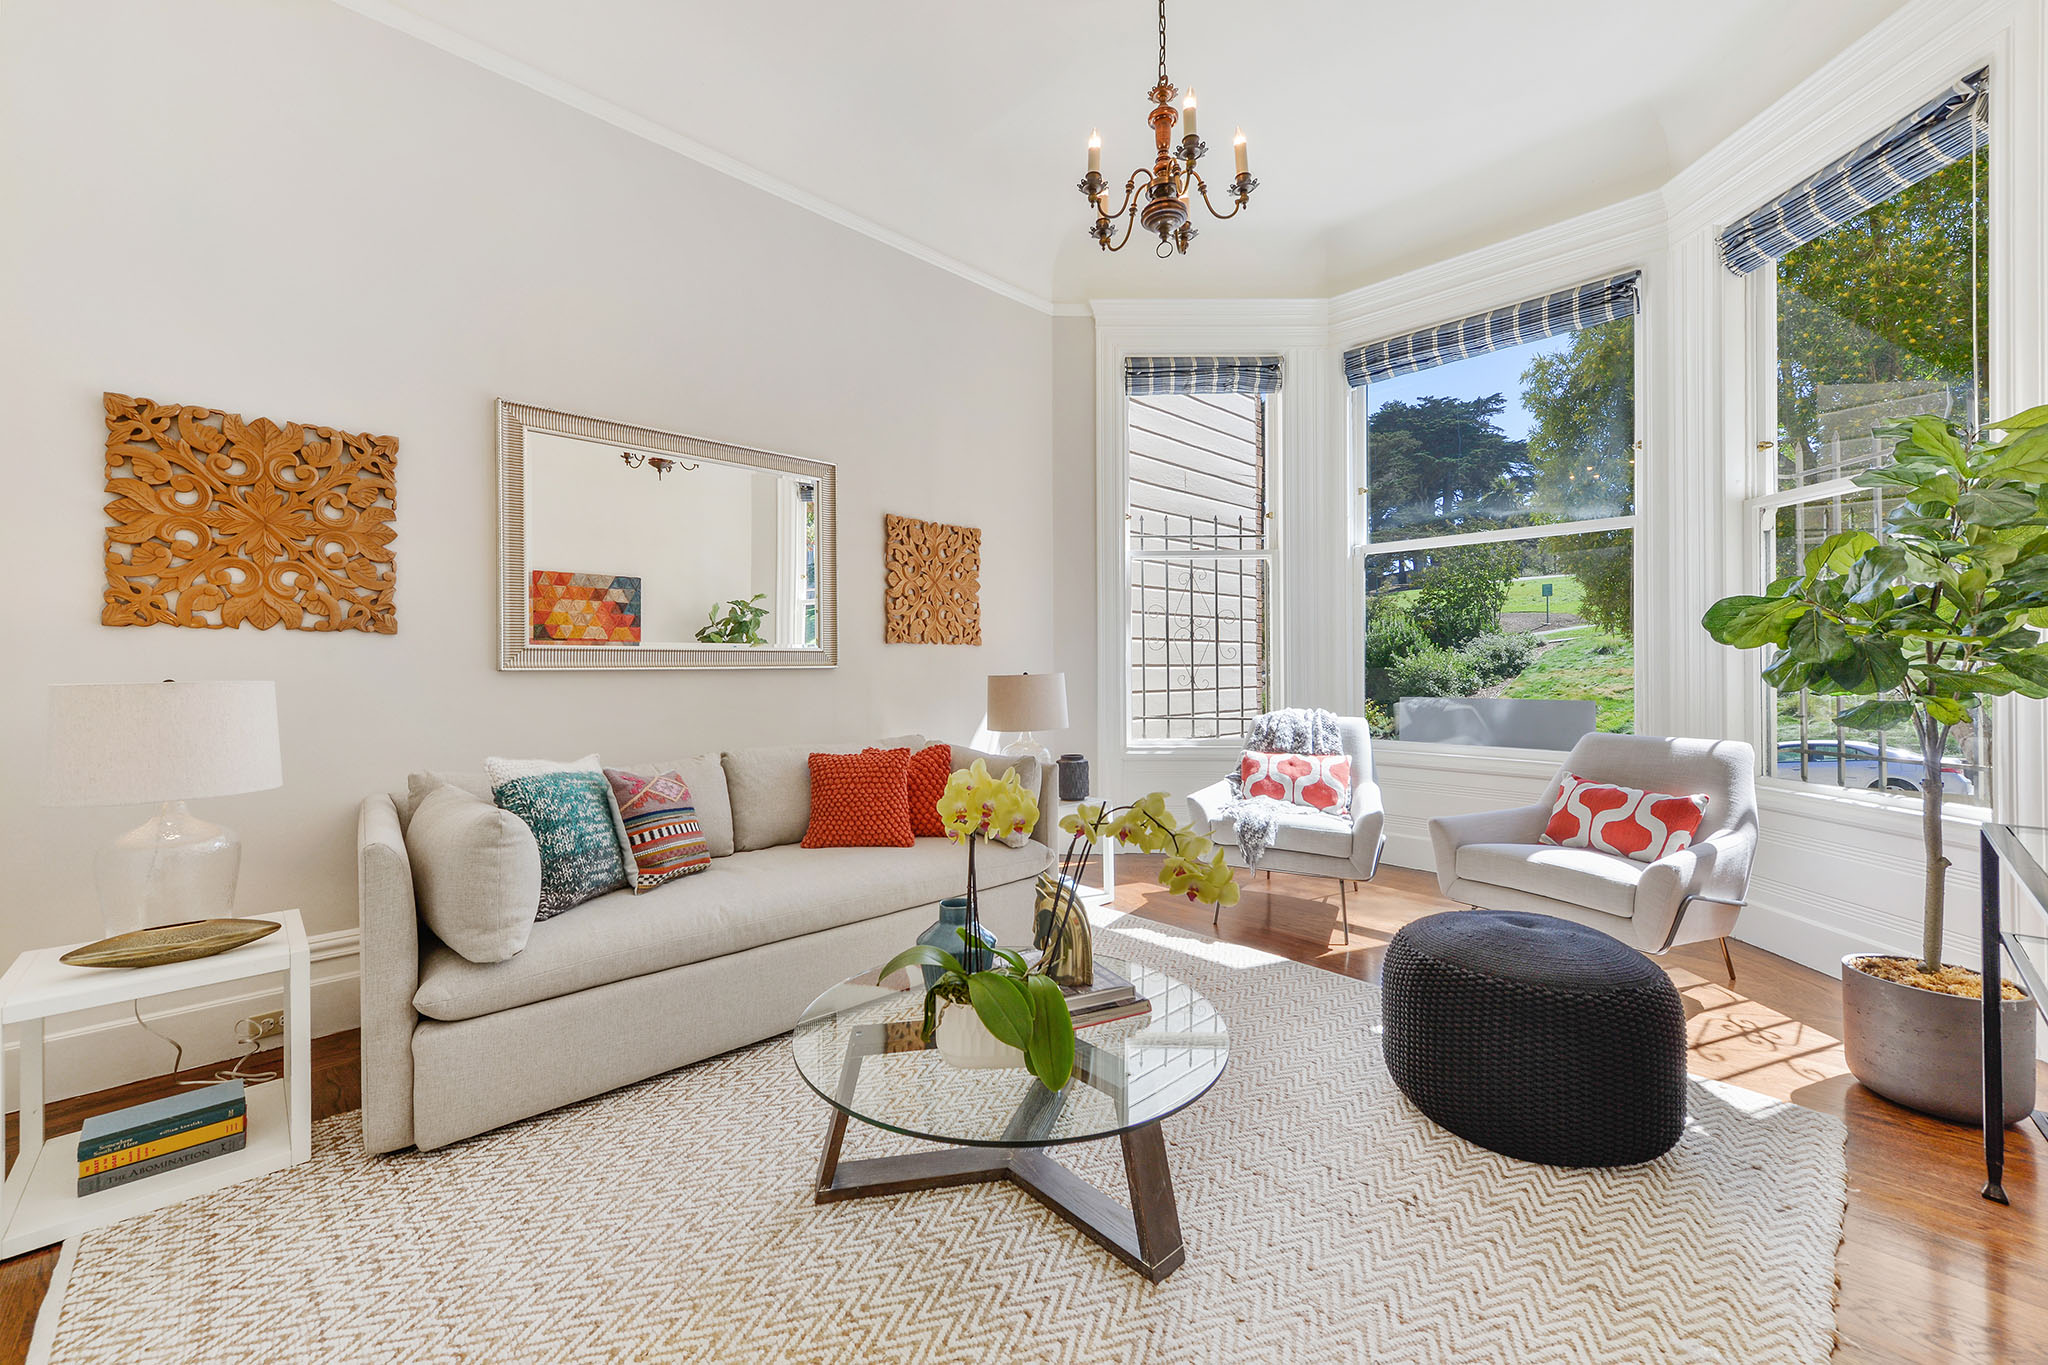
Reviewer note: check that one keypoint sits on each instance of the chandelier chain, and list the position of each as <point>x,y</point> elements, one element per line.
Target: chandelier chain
<point>1162,42</point>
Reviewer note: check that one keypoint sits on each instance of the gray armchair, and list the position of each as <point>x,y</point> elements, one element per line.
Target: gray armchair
<point>1308,842</point>
<point>1495,860</point>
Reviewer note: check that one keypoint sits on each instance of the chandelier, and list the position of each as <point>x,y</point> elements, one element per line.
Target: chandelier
<point>1159,197</point>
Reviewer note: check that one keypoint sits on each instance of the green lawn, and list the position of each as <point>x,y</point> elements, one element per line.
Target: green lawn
<point>1589,663</point>
<point>1567,594</point>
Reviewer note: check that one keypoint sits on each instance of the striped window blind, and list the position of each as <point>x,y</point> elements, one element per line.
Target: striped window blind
<point>1149,375</point>
<point>1940,133</point>
<point>1568,310</point>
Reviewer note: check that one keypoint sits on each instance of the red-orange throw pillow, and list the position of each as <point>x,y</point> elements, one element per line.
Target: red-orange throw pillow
<point>860,800</point>
<point>930,769</point>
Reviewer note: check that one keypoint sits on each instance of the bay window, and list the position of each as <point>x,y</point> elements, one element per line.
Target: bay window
<point>1498,546</point>
<point>1198,546</point>
<point>1870,283</point>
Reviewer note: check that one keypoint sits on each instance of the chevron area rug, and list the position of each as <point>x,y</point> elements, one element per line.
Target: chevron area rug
<point>1326,1221</point>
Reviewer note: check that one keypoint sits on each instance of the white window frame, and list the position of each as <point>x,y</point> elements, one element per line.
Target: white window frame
<point>1363,546</point>
<point>1268,554</point>
<point>1759,511</point>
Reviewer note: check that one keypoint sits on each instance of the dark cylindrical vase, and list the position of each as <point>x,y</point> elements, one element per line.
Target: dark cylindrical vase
<point>1073,777</point>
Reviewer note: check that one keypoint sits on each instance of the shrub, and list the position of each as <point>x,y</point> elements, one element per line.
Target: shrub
<point>1496,657</point>
<point>1460,596</point>
<point>1390,635</point>
<point>1378,721</point>
<point>1432,671</point>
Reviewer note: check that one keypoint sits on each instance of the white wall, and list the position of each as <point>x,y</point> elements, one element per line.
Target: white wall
<point>280,208</point>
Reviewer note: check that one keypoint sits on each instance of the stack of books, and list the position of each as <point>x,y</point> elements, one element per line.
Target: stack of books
<point>1110,999</point>
<point>163,1135</point>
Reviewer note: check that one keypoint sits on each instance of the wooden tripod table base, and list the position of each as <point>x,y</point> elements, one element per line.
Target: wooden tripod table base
<point>1145,1237</point>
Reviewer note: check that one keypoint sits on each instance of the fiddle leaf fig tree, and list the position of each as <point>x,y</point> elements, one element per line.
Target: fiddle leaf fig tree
<point>1941,614</point>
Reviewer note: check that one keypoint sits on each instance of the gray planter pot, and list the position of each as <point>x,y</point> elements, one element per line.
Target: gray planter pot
<point>1925,1050</point>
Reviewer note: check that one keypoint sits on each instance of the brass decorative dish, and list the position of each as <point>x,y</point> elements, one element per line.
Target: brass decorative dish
<point>170,943</point>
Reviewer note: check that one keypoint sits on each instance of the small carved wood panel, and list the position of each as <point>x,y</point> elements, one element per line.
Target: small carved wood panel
<point>214,521</point>
<point>933,593</point>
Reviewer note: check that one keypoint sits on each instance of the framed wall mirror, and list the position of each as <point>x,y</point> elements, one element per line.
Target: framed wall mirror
<point>626,547</point>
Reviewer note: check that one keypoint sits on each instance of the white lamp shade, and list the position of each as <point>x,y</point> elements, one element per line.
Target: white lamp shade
<point>1020,702</point>
<point>131,744</point>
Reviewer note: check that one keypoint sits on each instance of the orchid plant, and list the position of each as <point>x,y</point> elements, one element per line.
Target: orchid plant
<point>1019,1004</point>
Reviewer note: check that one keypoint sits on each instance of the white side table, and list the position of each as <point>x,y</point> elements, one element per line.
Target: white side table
<point>40,1204</point>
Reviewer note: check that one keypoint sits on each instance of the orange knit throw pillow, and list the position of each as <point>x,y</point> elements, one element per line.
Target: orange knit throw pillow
<point>860,800</point>
<point>930,769</point>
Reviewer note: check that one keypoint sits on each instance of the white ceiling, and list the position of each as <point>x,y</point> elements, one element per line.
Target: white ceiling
<point>1385,134</point>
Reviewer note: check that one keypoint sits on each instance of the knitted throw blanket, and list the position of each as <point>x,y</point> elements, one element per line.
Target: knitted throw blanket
<point>1296,730</point>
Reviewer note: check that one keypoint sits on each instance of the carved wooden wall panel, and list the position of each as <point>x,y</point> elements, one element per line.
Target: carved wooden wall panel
<point>214,521</point>
<point>934,583</point>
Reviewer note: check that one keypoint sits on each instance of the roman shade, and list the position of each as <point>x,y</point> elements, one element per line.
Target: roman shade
<point>1255,375</point>
<point>1937,135</point>
<point>1568,310</point>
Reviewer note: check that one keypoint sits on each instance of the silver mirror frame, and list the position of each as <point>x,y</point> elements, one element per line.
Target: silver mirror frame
<point>516,650</point>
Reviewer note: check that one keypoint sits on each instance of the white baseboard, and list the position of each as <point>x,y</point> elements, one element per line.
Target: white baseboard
<point>94,1049</point>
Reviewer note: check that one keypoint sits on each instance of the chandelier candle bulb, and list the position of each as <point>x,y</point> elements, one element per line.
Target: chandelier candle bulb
<point>1242,158</point>
<point>1187,114</point>
<point>1095,153</point>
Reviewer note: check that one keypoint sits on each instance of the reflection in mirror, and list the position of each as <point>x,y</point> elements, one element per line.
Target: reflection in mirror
<point>632,547</point>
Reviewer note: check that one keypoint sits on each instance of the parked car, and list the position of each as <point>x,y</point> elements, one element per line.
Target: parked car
<point>1853,763</point>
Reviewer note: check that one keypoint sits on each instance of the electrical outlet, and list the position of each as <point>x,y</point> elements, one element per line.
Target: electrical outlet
<point>257,1027</point>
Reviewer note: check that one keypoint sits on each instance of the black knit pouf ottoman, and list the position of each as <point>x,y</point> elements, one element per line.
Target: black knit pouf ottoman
<point>1536,1037</point>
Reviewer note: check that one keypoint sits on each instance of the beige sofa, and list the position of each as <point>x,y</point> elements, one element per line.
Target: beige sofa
<point>627,986</point>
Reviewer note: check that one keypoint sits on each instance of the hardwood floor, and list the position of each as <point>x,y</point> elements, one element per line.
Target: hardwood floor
<point>1929,1271</point>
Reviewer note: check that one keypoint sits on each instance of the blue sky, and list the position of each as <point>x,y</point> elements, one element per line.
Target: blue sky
<point>1495,372</point>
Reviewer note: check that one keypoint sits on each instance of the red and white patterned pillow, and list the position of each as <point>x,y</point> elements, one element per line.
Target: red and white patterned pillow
<point>1319,781</point>
<point>1636,824</point>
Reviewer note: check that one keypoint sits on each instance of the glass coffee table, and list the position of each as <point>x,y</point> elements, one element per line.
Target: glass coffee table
<point>859,1047</point>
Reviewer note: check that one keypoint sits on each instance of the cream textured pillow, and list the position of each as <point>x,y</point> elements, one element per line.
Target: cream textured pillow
<point>770,789</point>
<point>476,871</point>
<point>998,764</point>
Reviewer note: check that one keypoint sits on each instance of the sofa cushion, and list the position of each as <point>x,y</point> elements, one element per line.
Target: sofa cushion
<point>741,902</point>
<point>663,835</point>
<point>417,785</point>
<point>570,809</point>
<point>476,871</point>
<point>770,789</point>
<point>704,775</point>
<point>860,800</point>
<point>1576,876</point>
<point>1297,829</point>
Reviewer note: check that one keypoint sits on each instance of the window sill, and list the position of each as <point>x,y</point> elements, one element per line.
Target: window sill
<point>1812,799</point>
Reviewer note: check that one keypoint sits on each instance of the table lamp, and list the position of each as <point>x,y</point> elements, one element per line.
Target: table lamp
<point>1025,703</point>
<point>130,744</point>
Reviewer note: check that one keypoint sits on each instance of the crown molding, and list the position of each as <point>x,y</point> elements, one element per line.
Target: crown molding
<point>1872,83</point>
<point>396,16</point>
<point>1302,321</point>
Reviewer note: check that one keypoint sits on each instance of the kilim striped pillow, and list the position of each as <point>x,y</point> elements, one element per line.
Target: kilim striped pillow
<point>662,832</point>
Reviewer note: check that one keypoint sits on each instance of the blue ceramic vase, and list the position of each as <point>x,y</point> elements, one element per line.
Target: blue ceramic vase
<point>945,935</point>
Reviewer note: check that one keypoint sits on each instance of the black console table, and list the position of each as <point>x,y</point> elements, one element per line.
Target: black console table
<point>2024,850</point>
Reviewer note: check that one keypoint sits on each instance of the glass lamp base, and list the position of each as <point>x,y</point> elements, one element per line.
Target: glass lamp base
<point>1029,745</point>
<point>172,867</point>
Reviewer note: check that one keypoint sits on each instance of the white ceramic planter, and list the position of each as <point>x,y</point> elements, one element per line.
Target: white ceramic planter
<point>964,1041</point>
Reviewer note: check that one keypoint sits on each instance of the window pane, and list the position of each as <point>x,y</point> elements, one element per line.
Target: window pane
<point>1197,647</point>
<point>1877,320</point>
<point>1875,323</point>
<point>1811,747</point>
<point>1525,436</point>
<point>1198,473</point>
<point>1523,645</point>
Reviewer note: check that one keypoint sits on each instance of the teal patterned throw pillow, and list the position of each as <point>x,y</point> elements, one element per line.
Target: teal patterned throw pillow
<point>569,809</point>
